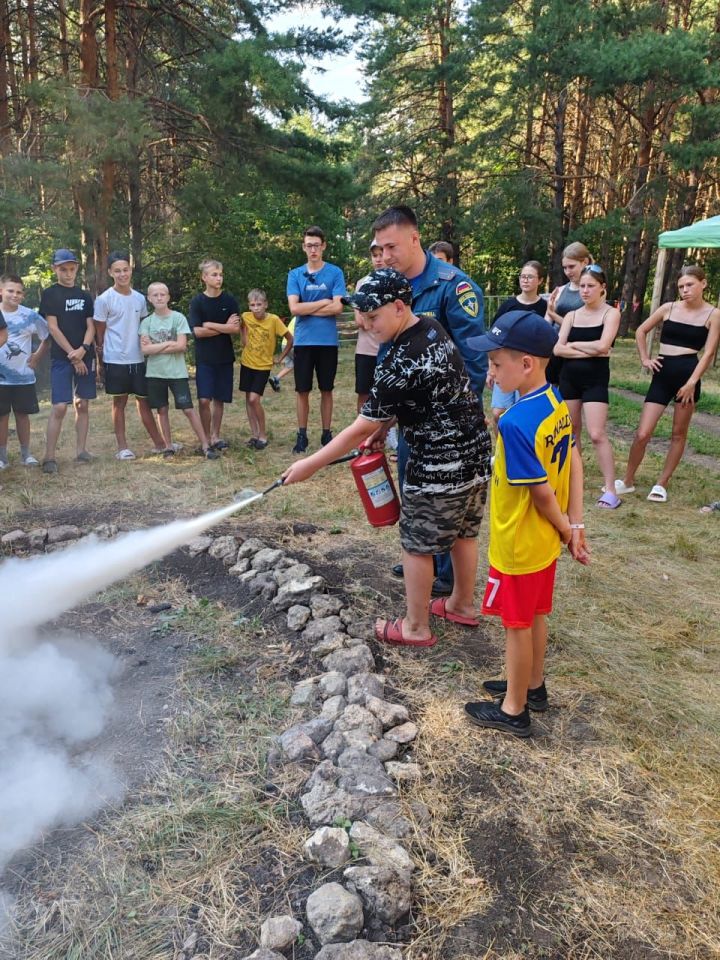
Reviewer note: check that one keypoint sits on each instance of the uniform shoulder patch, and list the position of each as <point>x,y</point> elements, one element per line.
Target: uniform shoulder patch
<point>467,298</point>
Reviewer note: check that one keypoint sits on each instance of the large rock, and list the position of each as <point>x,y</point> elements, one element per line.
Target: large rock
<point>333,707</point>
<point>325,804</point>
<point>364,685</point>
<point>335,914</point>
<point>17,540</point>
<point>239,567</point>
<point>405,733</point>
<point>225,549</point>
<point>386,894</point>
<point>63,533</point>
<point>387,817</point>
<point>329,644</point>
<point>303,693</point>
<point>279,933</point>
<point>37,538</point>
<point>328,846</point>
<point>332,684</point>
<point>296,592</point>
<point>296,571</point>
<point>297,745</point>
<point>199,545</point>
<point>384,750</point>
<point>106,531</point>
<point>389,714</point>
<point>403,772</point>
<point>357,659</point>
<point>358,950</point>
<point>266,559</point>
<point>263,585</point>
<point>297,616</point>
<point>356,717</point>
<point>250,547</point>
<point>333,745</point>
<point>317,629</point>
<point>380,850</point>
<point>323,605</point>
<point>317,728</point>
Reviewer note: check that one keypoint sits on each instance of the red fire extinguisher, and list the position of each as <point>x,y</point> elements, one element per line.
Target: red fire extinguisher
<point>376,488</point>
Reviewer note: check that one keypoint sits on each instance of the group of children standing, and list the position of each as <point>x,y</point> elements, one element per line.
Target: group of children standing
<point>138,353</point>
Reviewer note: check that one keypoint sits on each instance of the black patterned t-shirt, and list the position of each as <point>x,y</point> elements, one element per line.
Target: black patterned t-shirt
<point>422,381</point>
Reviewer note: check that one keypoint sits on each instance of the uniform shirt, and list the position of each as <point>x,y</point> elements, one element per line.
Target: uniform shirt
<point>22,324</point>
<point>121,313</point>
<point>422,381</point>
<point>533,446</point>
<point>262,338</point>
<point>165,366</point>
<point>326,283</point>
<point>448,295</point>
<point>204,309</point>
<point>72,307</point>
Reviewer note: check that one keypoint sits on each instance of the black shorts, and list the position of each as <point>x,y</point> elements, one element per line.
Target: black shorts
<point>322,361</point>
<point>18,397</point>
<point>253,381</point>
<point>158,388</point>
<point>364,372</point>
<point>675,373</point>
<point>214,381</point>
<point>124,378</point>
<point>586,380</point>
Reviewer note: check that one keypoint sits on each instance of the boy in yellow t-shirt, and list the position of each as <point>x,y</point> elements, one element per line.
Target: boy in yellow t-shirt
<point>260,331</point>
<point>535,507</point>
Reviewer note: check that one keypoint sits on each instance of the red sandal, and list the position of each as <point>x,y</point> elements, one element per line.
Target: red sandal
<point>438,608</point>
<point>392,633</point>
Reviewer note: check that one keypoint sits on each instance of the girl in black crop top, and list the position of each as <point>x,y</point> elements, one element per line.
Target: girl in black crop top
<point>689,326</point>
<point>584,342</point>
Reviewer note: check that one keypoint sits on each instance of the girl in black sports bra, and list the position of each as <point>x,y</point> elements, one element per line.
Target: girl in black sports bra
<point>689,326</point>
<point>585,340</point>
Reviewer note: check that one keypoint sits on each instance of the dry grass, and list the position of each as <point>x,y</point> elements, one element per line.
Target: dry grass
<point>616,799</point>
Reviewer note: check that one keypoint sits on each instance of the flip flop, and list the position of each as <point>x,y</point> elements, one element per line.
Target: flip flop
<point>620,488</point>
<point>609,501</point>
<point>392,633</point>
<point>658,494</point>
<point>438,608</point>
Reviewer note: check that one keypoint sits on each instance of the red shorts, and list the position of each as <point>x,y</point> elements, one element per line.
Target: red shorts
<point>518,598</point>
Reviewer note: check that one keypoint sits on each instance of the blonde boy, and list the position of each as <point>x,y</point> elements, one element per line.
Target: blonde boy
<point>535,507</point>
<point>17,366</point>
<point>163,340</point>
<point>260,332</point>
<point>214,320</point>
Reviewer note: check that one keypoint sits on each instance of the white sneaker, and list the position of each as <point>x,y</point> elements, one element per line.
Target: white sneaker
<point>125,455</point>
<point>4,464</point>
<point>31,461</point>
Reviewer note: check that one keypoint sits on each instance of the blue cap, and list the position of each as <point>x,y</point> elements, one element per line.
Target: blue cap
<point>521,330</point>
<point>63,256</point>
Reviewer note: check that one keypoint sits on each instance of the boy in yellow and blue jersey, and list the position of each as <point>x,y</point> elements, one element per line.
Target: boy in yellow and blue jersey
<point>535,508</point>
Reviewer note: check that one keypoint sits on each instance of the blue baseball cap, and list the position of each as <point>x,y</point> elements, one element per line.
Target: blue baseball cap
<point>521,330</point>
<point>63,256</point>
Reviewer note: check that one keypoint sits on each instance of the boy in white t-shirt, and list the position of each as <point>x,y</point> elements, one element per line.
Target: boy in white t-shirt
<point>163,340</point>
<point>118,312</point>
<point>17,366</point>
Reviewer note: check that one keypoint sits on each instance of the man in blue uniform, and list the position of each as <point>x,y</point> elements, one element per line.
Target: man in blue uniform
<point>445,293</point>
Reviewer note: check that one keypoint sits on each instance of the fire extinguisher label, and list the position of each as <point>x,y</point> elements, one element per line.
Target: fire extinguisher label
<point>378,487</point>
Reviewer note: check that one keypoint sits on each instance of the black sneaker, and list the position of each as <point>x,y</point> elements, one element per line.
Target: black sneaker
<point>537,698</point>
<point>211,454</point>
<point>397,571</point>
<point>487,713</point>
<point>441,588</point>
<point>301,443</point>
<point>274,383</point>
<point>325,437</point>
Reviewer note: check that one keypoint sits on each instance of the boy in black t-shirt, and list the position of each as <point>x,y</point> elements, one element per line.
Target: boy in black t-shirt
<point>214,319</point>
<point>423,384</point>
<point>69,314</point>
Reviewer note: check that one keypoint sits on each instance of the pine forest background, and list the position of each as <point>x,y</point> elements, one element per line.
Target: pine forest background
<point>185,129</point>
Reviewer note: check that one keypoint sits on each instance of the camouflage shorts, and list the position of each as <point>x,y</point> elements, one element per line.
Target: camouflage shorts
<point>431,523</point>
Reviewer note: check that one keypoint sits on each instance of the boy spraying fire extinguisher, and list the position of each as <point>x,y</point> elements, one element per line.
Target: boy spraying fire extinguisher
<point>421,383</point>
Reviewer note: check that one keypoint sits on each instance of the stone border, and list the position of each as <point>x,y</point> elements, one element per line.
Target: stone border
<point>349,741</point>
